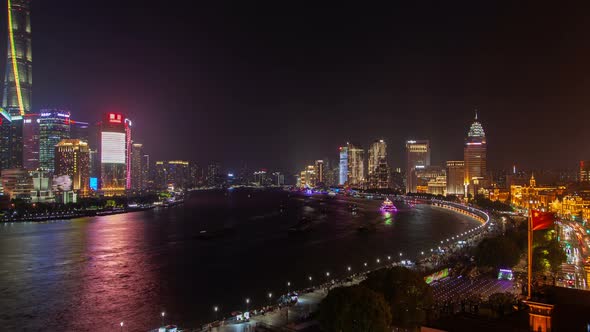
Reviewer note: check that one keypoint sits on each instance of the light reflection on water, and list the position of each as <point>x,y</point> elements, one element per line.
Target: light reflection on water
<point>89,274</point>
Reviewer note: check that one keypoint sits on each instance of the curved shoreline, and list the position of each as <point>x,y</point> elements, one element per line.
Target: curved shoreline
<point>476,214</point>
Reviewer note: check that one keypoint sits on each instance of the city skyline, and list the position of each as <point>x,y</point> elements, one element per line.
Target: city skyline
<point>411,94</point>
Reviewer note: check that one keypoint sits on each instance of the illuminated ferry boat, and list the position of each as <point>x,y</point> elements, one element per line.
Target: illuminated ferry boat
<point>388,206</point>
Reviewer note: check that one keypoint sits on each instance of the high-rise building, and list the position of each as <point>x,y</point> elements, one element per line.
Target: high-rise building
<point>584,171</point>
<point>54,125</point>
<point>31,124</point>
<point>11,140</point>
<point>214,174</point>
<point>17,183</point>
<point>137,167</point>
<point>18,82</point>
<point>456,177</point>
<point>417,158</point>
<point>475,155</point>
<point>146,170</point>
<point>343,166</point>
<point>356,166</point>
<point>319,172</point>
<point>114,153</point>
<point>173,174</point>
<point>18,79</point>
<point>378,170</point>
<point>80,130</point>
<point>72,158</point>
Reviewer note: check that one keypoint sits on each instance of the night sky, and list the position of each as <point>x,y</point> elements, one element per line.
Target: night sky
<point>281,85</point>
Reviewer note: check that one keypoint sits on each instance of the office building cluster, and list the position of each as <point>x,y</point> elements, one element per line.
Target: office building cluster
<point>48,156</point>
<point>371,171</point>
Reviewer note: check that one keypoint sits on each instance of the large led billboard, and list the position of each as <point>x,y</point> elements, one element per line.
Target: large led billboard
<point>113,148</point>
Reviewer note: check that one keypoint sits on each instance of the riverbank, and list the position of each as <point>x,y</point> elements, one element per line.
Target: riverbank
<point>277,316</point>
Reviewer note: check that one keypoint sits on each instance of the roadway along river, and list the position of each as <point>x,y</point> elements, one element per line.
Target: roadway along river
<point>89,274</point>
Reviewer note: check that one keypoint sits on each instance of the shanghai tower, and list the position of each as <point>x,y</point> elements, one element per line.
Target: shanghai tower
<point>18,82</point>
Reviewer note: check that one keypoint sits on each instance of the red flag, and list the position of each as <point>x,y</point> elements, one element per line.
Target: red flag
<point>542,220</point>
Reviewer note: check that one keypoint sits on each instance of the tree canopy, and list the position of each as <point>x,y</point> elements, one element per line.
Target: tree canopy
<point>407,293</point>
<point>354,309</point>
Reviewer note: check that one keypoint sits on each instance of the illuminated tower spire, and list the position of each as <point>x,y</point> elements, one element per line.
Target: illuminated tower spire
<point>18,80</point>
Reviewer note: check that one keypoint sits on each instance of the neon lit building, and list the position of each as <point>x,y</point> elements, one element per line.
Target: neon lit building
<point>18,83</point>
<point>417,158</point>
<point>114,152</point>
<point>72,158</point>
<point>475,156</point>
<point>54,125</point>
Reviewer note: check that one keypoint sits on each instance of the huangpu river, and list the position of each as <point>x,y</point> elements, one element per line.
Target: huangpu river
<point>217,249</point>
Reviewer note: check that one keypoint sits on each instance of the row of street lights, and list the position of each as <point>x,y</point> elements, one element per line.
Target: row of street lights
<point>310,278</point>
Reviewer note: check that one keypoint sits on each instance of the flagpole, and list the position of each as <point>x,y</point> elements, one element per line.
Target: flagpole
<point>530,252</point>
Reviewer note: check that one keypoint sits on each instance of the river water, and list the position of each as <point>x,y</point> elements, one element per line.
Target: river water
<point>88,274</point>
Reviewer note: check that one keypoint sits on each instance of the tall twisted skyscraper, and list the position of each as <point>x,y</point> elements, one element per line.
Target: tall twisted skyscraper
<point>18,82</point>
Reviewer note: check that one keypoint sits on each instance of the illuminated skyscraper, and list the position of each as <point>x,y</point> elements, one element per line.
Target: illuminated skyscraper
<point>137,179</point>
<point>418,158</point>
<point>343,166</point>
<point>378,170</point>
<point>54,125</point>
<point>18,81</point>
<point>31,123</point>
<point>72,158</point>
<point>455,177</point>
<point>356,166</point>
<point>475,154</point>
<point>319,171</point>
<point>114,153</point>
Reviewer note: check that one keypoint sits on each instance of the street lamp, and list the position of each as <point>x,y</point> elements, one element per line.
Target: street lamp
<point>121,326</point>
<point>163,314</point>
<point>215,309</point>
<point>288,287</point>
<point>269,298</point>
<point>247,304</point>
<point>378,261</point>
<point>310,284</point>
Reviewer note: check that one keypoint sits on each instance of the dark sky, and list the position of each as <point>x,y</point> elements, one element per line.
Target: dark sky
<point>280,85</point>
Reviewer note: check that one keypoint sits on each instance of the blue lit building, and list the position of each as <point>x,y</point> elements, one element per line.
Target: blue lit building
<point>343,170</point>
<point>54,125</point>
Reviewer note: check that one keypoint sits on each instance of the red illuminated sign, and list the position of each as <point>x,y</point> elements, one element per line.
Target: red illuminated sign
<point>115,118</point>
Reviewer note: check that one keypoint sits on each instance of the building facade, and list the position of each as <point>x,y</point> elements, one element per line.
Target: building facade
<point>343,166</point>
<point>113,154</point>
<point>378,169</point>
<point>417,158</point>
<point>137,174</point>
<point>319,172</point>
<point>18,82</point>
<point>72,159</point>
<point>455,177</point>
<point>475,156</point>
<point>54,126</point>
